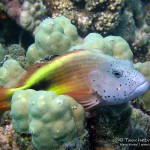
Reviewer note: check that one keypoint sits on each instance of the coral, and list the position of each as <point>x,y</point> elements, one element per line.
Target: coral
<point>2,53</point>
<point>52,120</point>
<point>111,45</point>
<point>13,8</point>
<point>54,36</point>
<point>27,13</point>
<point>31,14</point>
<point>147,17</point>
<point>17,53</point>
<point>45,116</point>
<point>7,138</point>
<point>120,48</point>
<point>20,110</point>
<point>88,15</point>
<point>10,74</point>
<point>134,28</point>
<point>143,68</point>
<point>113,125</point>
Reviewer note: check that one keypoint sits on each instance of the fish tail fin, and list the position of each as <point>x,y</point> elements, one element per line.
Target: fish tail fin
<point>5,94</point>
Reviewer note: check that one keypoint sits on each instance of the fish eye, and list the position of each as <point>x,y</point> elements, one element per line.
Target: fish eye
<point>117,73</point>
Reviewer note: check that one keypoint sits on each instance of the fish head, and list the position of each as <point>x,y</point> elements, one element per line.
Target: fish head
<point>117,81</point>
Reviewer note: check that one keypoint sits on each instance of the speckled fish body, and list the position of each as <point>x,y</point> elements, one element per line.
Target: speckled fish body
<point>92,78</point>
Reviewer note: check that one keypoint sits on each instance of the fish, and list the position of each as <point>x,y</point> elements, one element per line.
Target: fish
<point>90,77</point>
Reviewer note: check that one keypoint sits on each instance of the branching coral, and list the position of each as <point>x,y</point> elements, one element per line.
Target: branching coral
<point>88,15</point>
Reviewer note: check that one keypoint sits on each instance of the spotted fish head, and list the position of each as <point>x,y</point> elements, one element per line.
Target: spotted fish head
<point>117,81</point>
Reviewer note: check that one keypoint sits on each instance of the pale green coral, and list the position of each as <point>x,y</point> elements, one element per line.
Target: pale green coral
<point>10,74</point>
<point>111,45</point>
<point>57,36</point>
<point>144,68</point>
<point>54,36</point>
<point>96,41</point>
<point>120,48</point>
<point>20,110</point>
<point>51,119</point>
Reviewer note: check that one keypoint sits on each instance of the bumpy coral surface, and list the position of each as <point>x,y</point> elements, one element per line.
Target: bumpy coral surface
<point>52,120</point>
<point>31,14</point>
<point>54,36</point>
<point>111,45</point>
<point>10,74</point>
<point>27,13</point>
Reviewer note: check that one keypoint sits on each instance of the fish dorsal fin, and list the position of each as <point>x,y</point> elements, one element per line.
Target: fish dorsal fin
<point>29,71</point>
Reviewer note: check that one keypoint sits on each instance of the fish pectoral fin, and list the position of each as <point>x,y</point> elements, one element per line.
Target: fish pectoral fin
<point>86,98</point>
<point>89,102</point>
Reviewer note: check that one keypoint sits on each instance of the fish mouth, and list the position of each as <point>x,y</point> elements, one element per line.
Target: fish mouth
<point>141,89</point>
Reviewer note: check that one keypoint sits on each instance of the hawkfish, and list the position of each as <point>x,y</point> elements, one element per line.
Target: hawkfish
<point>90,77</point>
